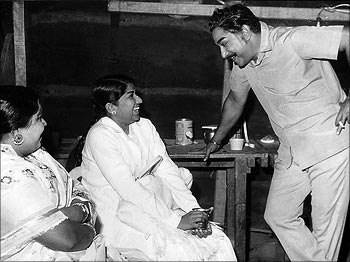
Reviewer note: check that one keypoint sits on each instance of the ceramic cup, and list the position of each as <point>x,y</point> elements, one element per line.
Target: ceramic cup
<point>236,143</point>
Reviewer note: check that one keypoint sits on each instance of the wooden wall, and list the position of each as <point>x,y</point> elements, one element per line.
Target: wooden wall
<point>177,67</point>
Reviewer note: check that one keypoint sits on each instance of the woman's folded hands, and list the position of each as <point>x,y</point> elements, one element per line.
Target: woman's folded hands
<point>194,221</point>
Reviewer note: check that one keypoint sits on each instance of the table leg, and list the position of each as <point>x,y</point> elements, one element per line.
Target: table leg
<point>220,197</point>
<point>236,206</point>
<point>230,206</point>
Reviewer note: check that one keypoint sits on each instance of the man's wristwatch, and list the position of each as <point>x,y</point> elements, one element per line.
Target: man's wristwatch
<point>214,142</point>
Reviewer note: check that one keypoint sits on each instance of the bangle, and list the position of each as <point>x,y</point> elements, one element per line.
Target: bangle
<point>85,209</point>
<point>92,227</point>
<point>215,143</point>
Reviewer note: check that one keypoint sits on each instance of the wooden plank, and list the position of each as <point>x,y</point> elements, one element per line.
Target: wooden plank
<point>55,1</point>
<point>263,12</point>
<point>251,161</point>
<point>220,164</point>
<point>220,197</point>
<point>19,42</point>
<point>241,171</point>
<point>7,63</point>
<point>196,150</point>
<point>231,205</point>
<point>161,8</point>
<point>114,43</point>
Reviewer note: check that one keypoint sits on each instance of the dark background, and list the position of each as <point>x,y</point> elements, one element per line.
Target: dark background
<point>177,68</point>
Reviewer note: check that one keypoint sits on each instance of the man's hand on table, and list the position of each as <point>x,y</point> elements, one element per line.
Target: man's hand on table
<point>211,147</point>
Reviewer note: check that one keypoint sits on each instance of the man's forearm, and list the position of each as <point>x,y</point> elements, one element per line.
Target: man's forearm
<point>230,114</point>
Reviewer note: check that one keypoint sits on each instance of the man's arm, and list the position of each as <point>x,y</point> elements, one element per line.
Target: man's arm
<point>231,112</point>
<point>344,111</point>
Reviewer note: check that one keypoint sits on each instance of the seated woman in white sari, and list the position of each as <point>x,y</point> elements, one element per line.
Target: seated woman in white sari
<point>153,213</point>
<point>45,215</point>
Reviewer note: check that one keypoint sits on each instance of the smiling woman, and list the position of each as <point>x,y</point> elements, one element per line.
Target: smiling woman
<point>39,220</point>
<point>152,213</point>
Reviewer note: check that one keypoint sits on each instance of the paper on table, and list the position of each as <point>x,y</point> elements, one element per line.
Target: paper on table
<point>154,164</point>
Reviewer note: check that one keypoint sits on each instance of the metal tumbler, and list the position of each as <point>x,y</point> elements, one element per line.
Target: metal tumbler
<point>208,212</point>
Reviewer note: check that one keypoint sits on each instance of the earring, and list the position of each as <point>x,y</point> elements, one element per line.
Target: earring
<point>18,139</point>
<point>113,112</point>
<point>245,36</point>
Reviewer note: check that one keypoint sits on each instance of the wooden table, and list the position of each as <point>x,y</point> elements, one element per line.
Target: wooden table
<point>233,167</point>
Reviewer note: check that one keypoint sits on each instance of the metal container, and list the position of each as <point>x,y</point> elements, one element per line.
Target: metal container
<point>184,131</point>
<point>239,131</point>
<point>208,132</point>
<point>206,210</point>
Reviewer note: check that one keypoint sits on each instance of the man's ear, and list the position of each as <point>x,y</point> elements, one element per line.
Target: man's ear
<point>246,33</point>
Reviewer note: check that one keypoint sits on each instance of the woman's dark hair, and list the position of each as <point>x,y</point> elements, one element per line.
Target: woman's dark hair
<point>17,106</point>
<point>232,18</point>
<point>107,89</point>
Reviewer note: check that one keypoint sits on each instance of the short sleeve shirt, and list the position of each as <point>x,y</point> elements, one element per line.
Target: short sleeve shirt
<point>298,88</point>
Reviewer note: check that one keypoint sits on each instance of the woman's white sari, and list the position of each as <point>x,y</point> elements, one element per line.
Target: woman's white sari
<point>144,212</point>
<point>33,189</point>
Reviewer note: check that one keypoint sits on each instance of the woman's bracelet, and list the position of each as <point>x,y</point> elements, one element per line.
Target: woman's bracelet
<point>92,227</point>
<point>85,209</point>
<point>215,143</point>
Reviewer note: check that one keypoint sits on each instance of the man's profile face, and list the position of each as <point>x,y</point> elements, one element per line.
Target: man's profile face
<point>233,46</point>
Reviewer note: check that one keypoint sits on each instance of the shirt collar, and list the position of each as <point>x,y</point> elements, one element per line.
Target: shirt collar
<point>109,122</point>
<point>265,44</point>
